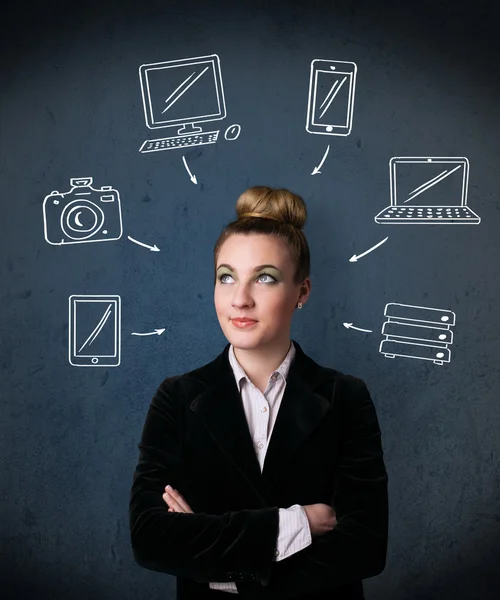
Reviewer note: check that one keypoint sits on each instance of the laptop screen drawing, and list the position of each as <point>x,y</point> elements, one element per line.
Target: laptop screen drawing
<point>429,183</point>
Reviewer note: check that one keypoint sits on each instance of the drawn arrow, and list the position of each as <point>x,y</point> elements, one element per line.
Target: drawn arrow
<point>351,326</point>
<point>356,257</point>
<point>155,332</point>
<point>152,248</point>
<point>316,170</point>
<point>193,177</point>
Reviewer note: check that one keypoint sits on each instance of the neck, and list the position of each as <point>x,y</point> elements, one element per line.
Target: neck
<point>259,363</point>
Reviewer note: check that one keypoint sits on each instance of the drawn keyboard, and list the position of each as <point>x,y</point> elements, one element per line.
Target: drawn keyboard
<point>180,141</point>
<point>427,213</point>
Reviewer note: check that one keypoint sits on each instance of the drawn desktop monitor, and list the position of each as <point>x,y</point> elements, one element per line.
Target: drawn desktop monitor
<point>426,190</point>
<point>183,93</point>
<point>94,330</point>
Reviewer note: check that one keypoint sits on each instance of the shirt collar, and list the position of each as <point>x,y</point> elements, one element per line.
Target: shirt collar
<point>240,374</point>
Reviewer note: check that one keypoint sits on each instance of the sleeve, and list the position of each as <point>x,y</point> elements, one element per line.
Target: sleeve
<point>198,546</point>
<point>294,533</point>
<point>356,548</point>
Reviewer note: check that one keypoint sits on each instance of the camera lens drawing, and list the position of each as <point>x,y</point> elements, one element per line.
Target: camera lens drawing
<point>82,214</point>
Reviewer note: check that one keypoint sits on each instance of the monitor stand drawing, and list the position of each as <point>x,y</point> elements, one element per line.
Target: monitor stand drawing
<point>182,93</point>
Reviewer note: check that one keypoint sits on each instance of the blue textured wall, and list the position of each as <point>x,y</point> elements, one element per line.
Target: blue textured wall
<point>71,106</point>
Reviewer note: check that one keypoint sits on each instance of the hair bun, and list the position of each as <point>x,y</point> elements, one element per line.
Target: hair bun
<point>272,203</point>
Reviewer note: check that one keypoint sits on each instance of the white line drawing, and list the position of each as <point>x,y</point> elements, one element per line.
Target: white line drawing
<point>316,170</point>
<point>83,214</point>
<point>232,132</point>
<point>428,190</point>
<point>184,93</point>
<point>417,332</point>
<point>356,257</point>
<point>351,326</point>
<point>94,330</point>
<point>152,248</point>
<point>155,332</point>
<point>330,103</point>
<point>191,176</point>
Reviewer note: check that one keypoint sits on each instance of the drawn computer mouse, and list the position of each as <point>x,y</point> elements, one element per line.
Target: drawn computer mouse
<point>232,132</point>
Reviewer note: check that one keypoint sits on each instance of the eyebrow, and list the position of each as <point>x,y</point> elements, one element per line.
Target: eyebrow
<point>259,268</point>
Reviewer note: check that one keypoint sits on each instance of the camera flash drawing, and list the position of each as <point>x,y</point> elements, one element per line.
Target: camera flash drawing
<point>94,330</point>
<point>427,190</point>
<point>83,214</point>
<point>185,93</point>
<point>417,332</point>
<point>330,103</point>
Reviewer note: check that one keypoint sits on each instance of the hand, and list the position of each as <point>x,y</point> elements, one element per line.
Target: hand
<point>175,501</point>
<point>321,517</point>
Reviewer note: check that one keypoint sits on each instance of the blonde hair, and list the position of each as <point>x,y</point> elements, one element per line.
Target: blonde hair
<point>271,211</point>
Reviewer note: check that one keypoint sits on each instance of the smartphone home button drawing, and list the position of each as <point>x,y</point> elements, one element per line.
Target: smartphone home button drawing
<point>94,330</point>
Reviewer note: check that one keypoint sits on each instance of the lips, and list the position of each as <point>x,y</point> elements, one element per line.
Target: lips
<point>244,320</point>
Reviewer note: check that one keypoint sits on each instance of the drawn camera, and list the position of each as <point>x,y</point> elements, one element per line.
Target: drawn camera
<point>84,214</point>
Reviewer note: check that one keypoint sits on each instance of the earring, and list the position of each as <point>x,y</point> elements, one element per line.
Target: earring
<point>299,305</point>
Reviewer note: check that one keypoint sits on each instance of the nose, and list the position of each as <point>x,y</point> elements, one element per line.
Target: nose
<point>242,296</point>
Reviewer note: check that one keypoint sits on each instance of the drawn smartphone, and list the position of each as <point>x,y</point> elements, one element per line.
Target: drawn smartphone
<point>94,330</point>
<point>330,104</point>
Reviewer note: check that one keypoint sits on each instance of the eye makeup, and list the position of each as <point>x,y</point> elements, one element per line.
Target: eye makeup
<point>268,270</point>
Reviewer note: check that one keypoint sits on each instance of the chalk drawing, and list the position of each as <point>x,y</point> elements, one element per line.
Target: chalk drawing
<point>417,332</point>
<point>83,214</point>
<point>427,191</point>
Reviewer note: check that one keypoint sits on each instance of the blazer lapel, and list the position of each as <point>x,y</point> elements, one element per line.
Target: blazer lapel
<point>221,411</point>
<point>300,413</point>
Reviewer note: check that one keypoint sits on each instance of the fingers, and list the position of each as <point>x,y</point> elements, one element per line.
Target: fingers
<point>175,500</point>
<point>173,505</point>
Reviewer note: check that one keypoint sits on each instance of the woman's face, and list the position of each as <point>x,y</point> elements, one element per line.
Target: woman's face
<point>254,279</point>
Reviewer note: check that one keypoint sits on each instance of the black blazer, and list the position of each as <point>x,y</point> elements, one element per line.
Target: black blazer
<point>325,447</point>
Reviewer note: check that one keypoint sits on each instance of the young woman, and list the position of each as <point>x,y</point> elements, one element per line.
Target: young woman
<point>262,472</point>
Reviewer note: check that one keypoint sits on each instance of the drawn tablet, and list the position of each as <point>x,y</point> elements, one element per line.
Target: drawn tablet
<point>94,330</point>
<point>331,97</point>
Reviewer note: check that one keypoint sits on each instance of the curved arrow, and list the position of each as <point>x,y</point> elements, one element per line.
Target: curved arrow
<point>316,170</point>
<point>152,248</point>
<point>155,332</point>
<point>351,326</point>
<point>192,177</point>
<point>356,257</point>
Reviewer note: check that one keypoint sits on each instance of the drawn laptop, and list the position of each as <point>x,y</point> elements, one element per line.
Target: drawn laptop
<point>428,190</point>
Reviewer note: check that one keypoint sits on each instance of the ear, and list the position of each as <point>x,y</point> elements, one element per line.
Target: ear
<point>305,290</point>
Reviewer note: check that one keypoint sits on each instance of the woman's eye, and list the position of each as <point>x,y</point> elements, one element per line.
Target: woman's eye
<point>267,275</point>
<point>271,278</point>
<point>221,277</point>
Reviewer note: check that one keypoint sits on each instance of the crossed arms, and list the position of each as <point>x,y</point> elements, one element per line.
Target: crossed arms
<point>207,547</point>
